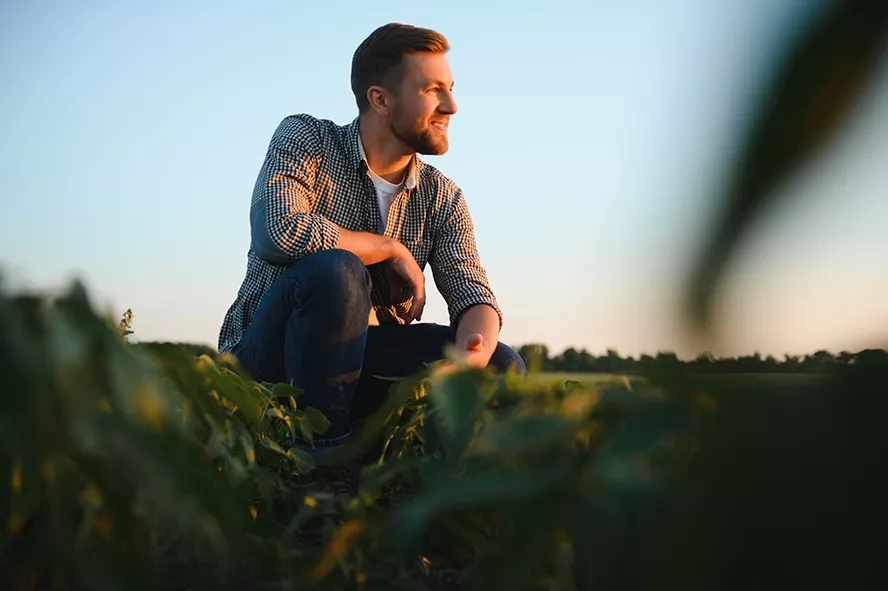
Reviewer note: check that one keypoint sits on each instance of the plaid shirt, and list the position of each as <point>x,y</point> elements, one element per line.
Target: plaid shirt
<point>315,179</point>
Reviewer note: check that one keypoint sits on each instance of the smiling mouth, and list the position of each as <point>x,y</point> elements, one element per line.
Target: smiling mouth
<point>442,125</point>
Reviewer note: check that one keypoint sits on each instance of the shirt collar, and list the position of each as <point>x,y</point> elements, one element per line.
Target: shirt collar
<point>359,158</point>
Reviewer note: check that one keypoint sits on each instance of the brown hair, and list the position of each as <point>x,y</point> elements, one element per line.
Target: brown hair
<point>378,59</point>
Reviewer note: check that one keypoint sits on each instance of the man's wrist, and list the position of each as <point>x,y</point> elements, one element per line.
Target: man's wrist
<point>390,248</point>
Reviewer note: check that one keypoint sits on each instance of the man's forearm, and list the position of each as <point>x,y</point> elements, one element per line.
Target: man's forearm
<point>370,248</point>
<point>480,319</point>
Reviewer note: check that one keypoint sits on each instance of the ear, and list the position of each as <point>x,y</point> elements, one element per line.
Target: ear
<point>380,100</point>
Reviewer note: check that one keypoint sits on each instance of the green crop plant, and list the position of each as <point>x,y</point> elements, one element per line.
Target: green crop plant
<point>129,465</point>
<point>147,466</point>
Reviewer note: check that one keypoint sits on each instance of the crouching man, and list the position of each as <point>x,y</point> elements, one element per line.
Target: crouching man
<point>343,220</point>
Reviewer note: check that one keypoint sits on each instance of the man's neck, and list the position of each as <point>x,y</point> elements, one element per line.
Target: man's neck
<point>386,155</point>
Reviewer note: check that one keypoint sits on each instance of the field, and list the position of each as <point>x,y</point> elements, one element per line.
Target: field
<point>590,379</point>
<point>784,382</point>
<point>152,467</point>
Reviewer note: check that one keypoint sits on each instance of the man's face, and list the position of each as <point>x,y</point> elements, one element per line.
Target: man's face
<point>423,104</point>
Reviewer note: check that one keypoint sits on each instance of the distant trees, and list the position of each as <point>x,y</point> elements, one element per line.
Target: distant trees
<point>571,360</point>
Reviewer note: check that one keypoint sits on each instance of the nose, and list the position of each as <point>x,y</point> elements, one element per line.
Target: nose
<point>448,104</point>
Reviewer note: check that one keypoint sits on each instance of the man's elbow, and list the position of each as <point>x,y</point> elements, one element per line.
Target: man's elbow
<point>265,247</point>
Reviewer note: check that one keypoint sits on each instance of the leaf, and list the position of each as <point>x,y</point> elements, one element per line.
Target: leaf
<point>378,475</point>
<point>819,80</point>
<point>512,564</point>
<point>232,386</point>
<point>272,445</point>
<point>302,515</point>
<point>645,428</point>
<point>284,390</point>
<point>304,426</point>
<point>457,399</point>
<point>514,436</point>
<point>577,404</point>
<point>487,488</point>
<point>249,451</point>
<point>340,544</point>
<point>318,421</point>
<point>302,459</point>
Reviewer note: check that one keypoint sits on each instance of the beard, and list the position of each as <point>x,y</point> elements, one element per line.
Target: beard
<point>421,139</point>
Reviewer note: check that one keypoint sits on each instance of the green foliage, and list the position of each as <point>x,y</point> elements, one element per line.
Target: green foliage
<point>147,466</point>
<point>133,466</point>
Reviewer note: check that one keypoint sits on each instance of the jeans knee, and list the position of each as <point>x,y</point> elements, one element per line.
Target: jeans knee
<point>505,358</point>
<point>341,278</point>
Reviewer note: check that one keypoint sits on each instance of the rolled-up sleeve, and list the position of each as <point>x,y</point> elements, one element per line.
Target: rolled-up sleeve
<point>283,226</point>
<point>456,264</point>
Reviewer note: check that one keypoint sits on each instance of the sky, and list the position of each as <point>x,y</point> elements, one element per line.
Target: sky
<point>591,142</point>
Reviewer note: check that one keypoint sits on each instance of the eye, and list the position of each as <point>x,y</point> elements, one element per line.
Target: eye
<point>438,88</point>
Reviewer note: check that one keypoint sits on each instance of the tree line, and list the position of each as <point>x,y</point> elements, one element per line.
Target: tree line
<point>538,358</point>
<point>571,360</point>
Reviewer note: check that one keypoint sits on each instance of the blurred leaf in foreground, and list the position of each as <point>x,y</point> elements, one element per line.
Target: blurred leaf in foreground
<point>818,82</point>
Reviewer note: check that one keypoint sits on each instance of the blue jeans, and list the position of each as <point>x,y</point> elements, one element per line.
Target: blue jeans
<point>311,330</point>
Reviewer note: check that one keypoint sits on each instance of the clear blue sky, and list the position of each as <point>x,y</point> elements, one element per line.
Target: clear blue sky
<point>590,142</point>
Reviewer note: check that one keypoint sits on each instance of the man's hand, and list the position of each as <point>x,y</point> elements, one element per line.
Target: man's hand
<point>399,263</point>
<point>477,335</point>
<point>403,271</point>
<point>473,350</point>
<point>476,339</point>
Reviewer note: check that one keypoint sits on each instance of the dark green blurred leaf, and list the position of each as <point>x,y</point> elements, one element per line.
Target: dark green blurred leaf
<point>477,489</point>
<point>512,436</point>
<point>646,427</point>
<point>522,553</point>
<point>456,400</point>
<point>818,82</point>
<point>378,475</point>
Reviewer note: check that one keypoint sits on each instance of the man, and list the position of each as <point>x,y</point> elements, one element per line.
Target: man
<point>343,220</point>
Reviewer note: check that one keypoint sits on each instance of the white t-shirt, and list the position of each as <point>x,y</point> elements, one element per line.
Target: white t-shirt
<point>385,195</point>
<point>385,191</point>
